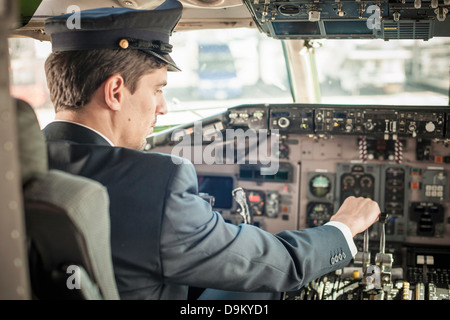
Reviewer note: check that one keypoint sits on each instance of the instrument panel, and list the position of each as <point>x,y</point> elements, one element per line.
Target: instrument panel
<point>397,155</point>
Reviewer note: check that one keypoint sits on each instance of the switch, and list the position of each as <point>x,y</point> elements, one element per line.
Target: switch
<point>314,16</point>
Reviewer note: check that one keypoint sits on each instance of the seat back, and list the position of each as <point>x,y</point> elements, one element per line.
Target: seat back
<point>67,223</point>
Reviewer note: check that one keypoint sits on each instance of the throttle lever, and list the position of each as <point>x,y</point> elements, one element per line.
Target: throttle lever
<point>241,199</point>
<point>375,275</point>
<point>363,257</point>
<point>382,259</point>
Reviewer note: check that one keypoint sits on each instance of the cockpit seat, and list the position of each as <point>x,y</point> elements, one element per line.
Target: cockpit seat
<point>67,224</point>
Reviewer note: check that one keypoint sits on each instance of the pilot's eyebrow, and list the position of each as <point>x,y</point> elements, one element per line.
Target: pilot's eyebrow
<point>163,83</point>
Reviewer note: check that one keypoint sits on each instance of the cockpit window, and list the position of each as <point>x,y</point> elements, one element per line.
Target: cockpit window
<point>227,68</point>
<point>396,72</point>
<point>222,69</point>
<point>27,75</point>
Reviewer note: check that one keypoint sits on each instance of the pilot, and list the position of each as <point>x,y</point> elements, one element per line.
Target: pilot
<point>105,80</point>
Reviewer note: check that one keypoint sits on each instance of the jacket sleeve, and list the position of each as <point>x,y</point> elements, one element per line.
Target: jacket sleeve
<point>199,248</point>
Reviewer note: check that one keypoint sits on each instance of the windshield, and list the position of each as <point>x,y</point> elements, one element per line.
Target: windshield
<point>221,69</point>
<point>229,67</point>
<point>396,72</point>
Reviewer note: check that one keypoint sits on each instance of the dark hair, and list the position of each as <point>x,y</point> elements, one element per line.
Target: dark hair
<point>73,76</point>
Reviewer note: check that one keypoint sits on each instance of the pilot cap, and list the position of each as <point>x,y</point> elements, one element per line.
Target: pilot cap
<point>118,28</point>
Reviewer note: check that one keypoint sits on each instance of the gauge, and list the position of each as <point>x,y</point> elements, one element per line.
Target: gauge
<point>320,186</point>
<point>348,181</point>
<point>366,181</point>
<point>318,213</point>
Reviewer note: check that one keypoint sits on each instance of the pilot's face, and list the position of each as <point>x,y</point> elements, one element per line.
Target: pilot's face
<point>145,104</point>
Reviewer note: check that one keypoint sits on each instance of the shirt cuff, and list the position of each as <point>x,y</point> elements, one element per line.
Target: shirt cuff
<point>347,234</point>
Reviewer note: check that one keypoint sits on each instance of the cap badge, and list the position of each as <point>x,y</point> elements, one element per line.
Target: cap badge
<point>124,43</point>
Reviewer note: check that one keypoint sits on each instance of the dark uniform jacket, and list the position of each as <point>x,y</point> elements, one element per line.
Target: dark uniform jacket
<point>165,237</point>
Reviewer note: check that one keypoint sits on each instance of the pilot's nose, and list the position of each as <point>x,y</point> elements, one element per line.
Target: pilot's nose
<point>161,108</point>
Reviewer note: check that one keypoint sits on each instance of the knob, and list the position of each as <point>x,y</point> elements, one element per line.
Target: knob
<point>319,117</point>
<point>348,127</point>
<point>369,125</point>
<point>430,126</point>
<point>283,122</point>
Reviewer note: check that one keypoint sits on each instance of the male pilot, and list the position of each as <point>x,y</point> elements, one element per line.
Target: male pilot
<point>105,81</point>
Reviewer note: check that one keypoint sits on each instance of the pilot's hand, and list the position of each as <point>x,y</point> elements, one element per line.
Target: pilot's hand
<point>357,213</point>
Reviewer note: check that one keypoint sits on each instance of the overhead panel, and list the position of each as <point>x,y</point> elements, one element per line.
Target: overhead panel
<point>353,19</point>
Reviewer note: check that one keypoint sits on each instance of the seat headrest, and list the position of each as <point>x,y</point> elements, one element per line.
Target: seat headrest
<point>32,146</point>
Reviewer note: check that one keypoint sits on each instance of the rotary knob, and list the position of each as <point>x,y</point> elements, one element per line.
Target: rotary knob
<point>369,125</point>
<point>319,117</point>
<point>348,127</point>
<point>283,122</point>
<point>430,126</point>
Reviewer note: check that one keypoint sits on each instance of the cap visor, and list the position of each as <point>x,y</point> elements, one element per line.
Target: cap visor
<point>171,66</point>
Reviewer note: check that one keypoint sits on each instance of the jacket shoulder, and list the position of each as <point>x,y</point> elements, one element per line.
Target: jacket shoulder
<point>171,160</point>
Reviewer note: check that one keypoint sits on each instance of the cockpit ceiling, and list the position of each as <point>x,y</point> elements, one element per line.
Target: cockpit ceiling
<point>197,14</point>
<point>305,19</point>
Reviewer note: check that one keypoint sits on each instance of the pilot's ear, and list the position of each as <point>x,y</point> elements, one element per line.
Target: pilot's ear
<point>114,88</point>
